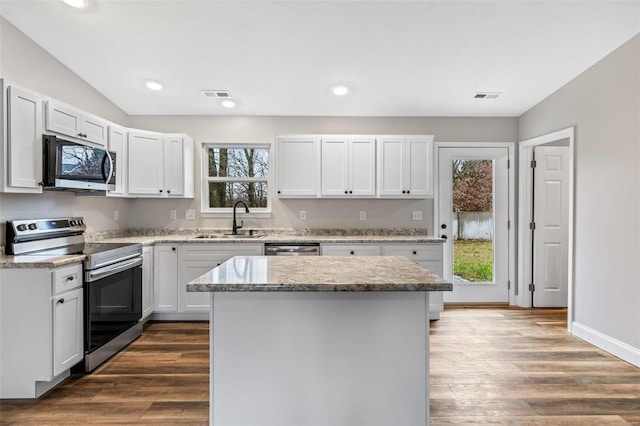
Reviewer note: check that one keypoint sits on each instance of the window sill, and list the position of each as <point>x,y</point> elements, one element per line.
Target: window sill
<point>239,215</point>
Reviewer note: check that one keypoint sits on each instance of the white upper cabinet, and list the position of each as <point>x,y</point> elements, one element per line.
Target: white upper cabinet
<point>159,165</point>
<point>66,120</point>
<point>144,171</point>
<point>117,144</point>
<point>173,165</point>
<point>405,166</point>
<point>298,166</point>
<point>348,166</point>
<point>22,148</point>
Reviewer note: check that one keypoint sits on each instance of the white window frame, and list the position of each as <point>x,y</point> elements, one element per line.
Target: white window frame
<point>227,212</point>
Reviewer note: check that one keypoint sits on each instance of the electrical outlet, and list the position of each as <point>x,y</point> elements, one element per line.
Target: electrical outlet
<point>172,214</point>
<point>190,215</point>
<point>416,215</point>
<point>363,215</point>
<point>303,215</point>
<point>116,215</point>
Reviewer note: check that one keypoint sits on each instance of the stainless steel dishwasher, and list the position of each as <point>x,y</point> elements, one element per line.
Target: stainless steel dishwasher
<point>304,249</point>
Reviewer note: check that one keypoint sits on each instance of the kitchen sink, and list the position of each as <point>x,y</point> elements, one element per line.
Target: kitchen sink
<point>229,236</point>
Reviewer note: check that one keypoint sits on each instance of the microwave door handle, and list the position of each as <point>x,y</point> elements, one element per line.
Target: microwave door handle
<point>104,161</point>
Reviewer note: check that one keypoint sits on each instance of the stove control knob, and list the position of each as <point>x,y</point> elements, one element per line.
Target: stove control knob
<point>33,226</point>
<point>22,227</point>
<point>81,222</point>
<point>72,222</point>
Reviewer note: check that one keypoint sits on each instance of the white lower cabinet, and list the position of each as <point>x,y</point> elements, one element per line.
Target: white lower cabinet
<point>175,265</point>
<point>198,259</point>
<point>165,278</point>
<point>68,341</point>
<point>427,255</point>
<point>41,328</point>
<point>147,282</point>
<point>350,249</point>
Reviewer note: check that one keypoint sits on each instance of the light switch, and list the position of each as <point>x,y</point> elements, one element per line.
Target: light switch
<point>363,215</point>
<point>172,214</point>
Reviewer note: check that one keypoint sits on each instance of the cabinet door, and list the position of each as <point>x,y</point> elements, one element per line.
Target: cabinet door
<point>24,139</point>
<point>68,341</point>
<point>95,130</point>
<point>189,271</point>
<point>64,120</point>
<point>298,166</point>
<point>165,278</point>
<point>391,166</point>
<point>350,250</point>
<point>147,281</point>
<point>335,167</point>
<point>419,167</point>
<point>362,167</point>
<point>117,143</point>
<point>145,163</point>
<point>173,166</point>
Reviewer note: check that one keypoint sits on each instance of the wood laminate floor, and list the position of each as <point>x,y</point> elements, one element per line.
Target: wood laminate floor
<point>489,365</point>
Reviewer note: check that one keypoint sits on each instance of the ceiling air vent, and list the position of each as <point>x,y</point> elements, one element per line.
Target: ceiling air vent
<point>224,94</point>
<point>487,95</point>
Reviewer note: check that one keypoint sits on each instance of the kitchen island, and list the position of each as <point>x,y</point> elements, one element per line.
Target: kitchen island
<point>319,340</point>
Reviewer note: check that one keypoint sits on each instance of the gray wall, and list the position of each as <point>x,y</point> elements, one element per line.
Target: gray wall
<point>604,105</point>
<point>25,64</point>
<point>324,212</point>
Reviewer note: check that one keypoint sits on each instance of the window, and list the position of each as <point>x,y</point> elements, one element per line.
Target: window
<point>235,172</point>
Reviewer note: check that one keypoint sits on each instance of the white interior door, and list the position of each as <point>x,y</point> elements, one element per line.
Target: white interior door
<point>551,231</point>
<point>475,224</point>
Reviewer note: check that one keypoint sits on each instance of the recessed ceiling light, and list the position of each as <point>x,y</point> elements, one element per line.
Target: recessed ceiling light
<point>154,85</point>
<point>77,3</point>
<point>340,90</point>
<point>228,103</point>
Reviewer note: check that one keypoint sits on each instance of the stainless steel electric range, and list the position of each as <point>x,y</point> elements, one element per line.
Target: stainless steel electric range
<point>112,281</point>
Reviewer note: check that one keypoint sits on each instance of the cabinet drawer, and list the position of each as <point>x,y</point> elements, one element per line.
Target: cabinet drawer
<point>216,251</point>
<point>67,278</point>
<point>414,252</point>
<point>350,250</point>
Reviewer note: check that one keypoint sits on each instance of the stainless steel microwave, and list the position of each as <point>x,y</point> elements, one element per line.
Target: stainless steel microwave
<point>72,166</point>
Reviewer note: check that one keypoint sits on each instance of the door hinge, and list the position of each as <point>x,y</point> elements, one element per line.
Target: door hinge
<point>532,287</point>
<point>508,164</point>
<point>533,164</point>
<point>532,226</point>
<point>508,224</point>
<point>508,285</point>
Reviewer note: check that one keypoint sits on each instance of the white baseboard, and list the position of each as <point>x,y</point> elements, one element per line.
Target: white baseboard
<point>613,346</point>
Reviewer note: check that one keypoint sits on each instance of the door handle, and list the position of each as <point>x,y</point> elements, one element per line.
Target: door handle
<point>444,237</point>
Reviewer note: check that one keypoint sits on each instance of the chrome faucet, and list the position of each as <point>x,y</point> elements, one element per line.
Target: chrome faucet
<point>235,227</point>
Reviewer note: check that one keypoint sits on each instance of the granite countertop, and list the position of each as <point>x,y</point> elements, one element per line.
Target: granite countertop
<point>192,238</point>
<point>275,238</point>
<point>26,261</point>
<point>318,273</point>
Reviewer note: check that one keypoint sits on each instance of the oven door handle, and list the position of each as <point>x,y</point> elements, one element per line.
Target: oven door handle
<point>97,274</point>
<point>113,261</point>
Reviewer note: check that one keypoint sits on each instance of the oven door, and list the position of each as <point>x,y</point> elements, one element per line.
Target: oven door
<point>113,303</point>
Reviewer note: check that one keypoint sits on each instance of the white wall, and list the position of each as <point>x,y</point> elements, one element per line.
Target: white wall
<point>604,105</point>
<point>24,63</point>
<point>320,213</point>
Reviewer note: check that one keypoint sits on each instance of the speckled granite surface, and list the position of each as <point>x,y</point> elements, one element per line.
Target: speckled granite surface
<point>150,236</point>
<point>26,261</point>
<point>318,273</point>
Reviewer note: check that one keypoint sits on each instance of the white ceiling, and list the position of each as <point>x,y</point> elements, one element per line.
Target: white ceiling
<point>399,58</point>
